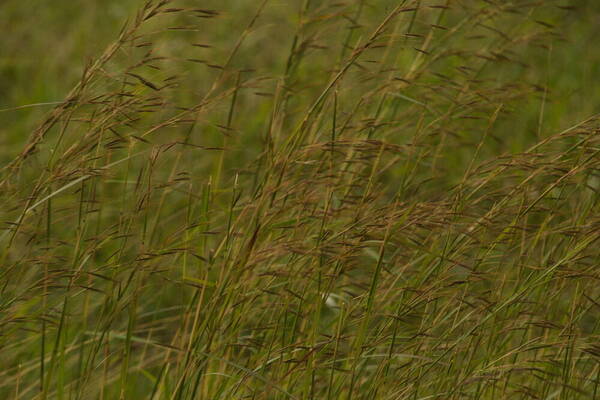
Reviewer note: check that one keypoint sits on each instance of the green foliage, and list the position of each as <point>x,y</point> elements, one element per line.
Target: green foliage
<point>300,200</point>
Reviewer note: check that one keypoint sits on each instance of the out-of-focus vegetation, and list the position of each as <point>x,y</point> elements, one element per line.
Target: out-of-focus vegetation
<point>299,199</point>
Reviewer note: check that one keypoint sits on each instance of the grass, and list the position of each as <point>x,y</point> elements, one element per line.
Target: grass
<point>303,200</point>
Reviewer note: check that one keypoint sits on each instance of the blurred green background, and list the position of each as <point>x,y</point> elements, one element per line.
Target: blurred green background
<point>46,44</point>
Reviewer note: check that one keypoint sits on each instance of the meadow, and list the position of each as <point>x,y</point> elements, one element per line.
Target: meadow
<point>300,199</point>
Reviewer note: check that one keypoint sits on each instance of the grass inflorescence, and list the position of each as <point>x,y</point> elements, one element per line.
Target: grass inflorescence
<point>308,200</point>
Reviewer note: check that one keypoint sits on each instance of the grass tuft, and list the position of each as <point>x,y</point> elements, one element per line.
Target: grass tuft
<point>321,200</point>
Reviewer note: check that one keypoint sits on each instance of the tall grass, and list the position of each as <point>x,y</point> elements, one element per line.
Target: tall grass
<point>363,202</point>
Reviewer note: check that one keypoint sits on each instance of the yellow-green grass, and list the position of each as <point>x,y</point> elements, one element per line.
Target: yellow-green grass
<point>300,200</point>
